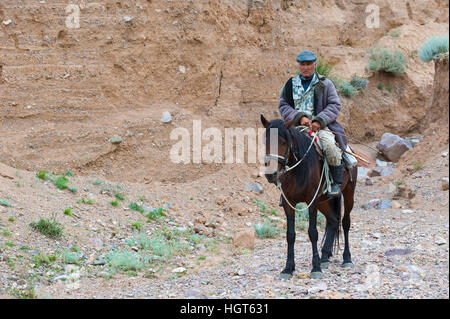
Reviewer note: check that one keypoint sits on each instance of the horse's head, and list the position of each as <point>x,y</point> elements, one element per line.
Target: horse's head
<point>278,145</point>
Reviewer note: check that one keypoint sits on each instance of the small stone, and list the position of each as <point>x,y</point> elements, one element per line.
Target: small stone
<point>179,270</point>
<point>445,183</point>
<point>128,19</point>
<point>376,235</point>
<point>390,188</point>
<point>384,204</point>
<point>166,117</point>
<point>321,286</point>
<point>444,154</point>
<point>182,69</point>
<point>192,293</point>
<point>407,211</point>
<point>440,241</point>
<point>381,163</point>
<point>362,172</point>
<point>398,252</point>
<point>115,140</point>
<point>382,171</point>
<point>302,275</point>
<point>368,182</point>
<point>241,272</point>
<point>396,204</point>
<point>255,187</point>
<point>7,22</point>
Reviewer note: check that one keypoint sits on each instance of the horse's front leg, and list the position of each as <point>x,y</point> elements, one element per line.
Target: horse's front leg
<point>290,237</point>
<point>314,236</point>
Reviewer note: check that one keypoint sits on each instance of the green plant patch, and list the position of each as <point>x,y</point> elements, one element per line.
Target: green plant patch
<point>48,227</point>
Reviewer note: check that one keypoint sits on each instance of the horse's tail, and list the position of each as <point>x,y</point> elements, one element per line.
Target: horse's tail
<point>337,203</point>
<point>336,207</point>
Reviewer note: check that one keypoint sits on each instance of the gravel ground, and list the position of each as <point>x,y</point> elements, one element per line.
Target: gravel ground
<point>398,252</point>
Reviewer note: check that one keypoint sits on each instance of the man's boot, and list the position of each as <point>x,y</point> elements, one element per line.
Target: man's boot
<point>336,175</point>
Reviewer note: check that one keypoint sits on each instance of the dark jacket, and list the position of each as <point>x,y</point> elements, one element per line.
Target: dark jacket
<point>326,107</point>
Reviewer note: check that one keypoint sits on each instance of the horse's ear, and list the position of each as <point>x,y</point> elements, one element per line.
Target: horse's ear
<point>264,122</point>
<point>288,124</point>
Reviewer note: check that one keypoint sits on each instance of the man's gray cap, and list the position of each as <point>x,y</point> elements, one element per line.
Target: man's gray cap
<point>306,56</point>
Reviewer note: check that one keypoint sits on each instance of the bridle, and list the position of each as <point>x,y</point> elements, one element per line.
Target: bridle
<point>283,160</point>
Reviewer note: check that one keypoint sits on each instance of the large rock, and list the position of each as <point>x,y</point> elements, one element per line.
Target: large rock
<point>393,146</point>
<point>244,238</point>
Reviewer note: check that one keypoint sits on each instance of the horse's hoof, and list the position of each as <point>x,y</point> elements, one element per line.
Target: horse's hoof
<point>316,275</point>
<point>347,265</point>
<point>285,276</point>
<point>325,265</point>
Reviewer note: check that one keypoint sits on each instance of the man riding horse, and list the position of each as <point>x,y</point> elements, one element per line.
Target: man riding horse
<point>311,100</point>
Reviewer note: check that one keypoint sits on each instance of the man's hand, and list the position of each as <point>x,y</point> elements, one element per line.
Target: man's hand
<point>315,126</point>
<point>304,121</point>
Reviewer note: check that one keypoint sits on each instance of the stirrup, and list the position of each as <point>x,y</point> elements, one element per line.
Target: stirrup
<point>335,194</point>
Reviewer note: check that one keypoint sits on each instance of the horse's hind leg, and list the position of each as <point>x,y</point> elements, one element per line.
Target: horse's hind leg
<point>331,231</point>
<point>348,206</point>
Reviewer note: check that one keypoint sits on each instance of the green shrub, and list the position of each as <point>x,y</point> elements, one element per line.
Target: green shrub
<point>433,47</point>
<point>114,203</point>
<point>61,182</point>
<point>344,88</point>
<point>119,196</point>
<point>5,203</point>
<point>156,214</point>
<point>49,228</point>
<point>302,218</point>
<point>42,175</point>
<point>68,211</point>
<point>135,206</point>
<point>124,260</point>
<point>41,259</point>
<point>359,83</point>
<point>395,33</point>
<point>380,86</point>
<point>137,225</point>
<point>382,60</point>
<point>72,257</point>
<point>323,68</point>
<point>266,230</point>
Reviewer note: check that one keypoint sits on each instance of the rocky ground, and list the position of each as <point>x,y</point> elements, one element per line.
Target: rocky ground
<point>399,252</point>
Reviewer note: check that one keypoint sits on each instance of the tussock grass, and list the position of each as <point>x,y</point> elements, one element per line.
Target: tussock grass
<point>302,218</point>
<point>72,257</point>
<point>156,214</point>
<point>382,60</point>
<point>266,230</point>
<point>124,260</point>
<point>5,203</point>
<point>136,207</point>
<point>433,47</point>
<point>49,228</point>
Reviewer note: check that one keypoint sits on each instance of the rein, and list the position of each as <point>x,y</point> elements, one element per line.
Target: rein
<point>283,161</point>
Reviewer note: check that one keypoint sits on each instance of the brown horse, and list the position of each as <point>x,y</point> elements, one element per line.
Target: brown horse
<point>301,184</point>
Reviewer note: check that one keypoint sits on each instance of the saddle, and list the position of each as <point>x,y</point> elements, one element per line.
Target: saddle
<point>349,160</point>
